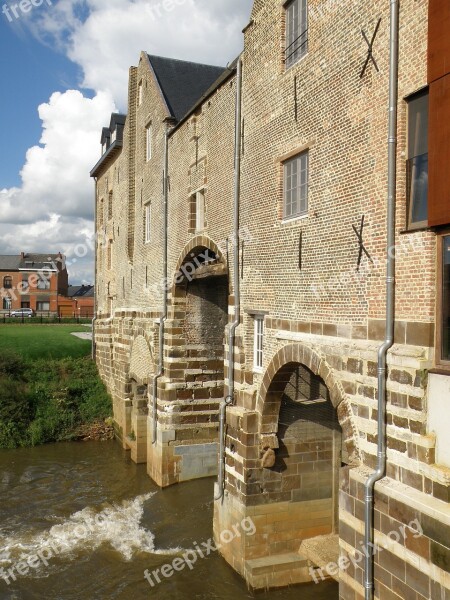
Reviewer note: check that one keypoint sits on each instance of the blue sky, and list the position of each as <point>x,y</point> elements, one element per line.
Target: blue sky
<point>30,72</point>
<point>63,70</point>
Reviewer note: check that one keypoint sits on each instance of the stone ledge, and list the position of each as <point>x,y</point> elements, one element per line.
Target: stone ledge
<point>280,570</point>
<point>321,551</point>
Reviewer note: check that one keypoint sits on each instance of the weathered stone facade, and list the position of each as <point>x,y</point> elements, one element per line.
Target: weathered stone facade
<point>302,432</point>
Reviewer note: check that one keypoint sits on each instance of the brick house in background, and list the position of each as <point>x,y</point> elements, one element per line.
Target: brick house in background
<point>310,136</point>
<point>31,280</point>
<point>82,299</point>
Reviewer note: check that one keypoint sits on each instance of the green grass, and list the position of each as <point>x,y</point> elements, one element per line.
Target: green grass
<point>47,400</point>
<point>44,341</point>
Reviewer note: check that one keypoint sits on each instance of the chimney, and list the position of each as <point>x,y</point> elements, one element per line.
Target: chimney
<point>22,255</point>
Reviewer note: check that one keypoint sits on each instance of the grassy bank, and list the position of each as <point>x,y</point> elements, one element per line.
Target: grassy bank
<point>44,341</point>
<point>49,386</point>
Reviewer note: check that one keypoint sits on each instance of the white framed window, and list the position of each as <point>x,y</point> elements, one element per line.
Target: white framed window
<point>147,223</point>
<point>148,141</point>
<point>140,93</point>
<point>200,211</point>
<point>296,186</point>
<point>43,306</point>
<point>113,136</point>
<point>43,283</point>
<point>258,343</point>
<point>7,304</point>
<point>296,31</point>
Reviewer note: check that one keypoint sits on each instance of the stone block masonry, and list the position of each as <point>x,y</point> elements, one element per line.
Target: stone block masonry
<point>301,435</point>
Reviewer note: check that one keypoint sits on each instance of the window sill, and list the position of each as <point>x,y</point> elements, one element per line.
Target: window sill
<point>294,219</point>
<point>258,370</point>
<point>440,370</point>
<point>415,230</point>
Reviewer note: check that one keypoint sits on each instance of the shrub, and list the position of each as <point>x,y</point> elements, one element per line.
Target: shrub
<point>46,400</point>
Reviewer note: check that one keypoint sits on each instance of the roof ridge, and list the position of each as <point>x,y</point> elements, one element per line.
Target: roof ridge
<point>189,62</point>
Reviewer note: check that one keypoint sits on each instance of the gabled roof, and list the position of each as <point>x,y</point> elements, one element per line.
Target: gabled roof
<point>224,76</point>
<point>182,83</point>
<point>39,261</point>
<point>85,291</point>
<point>22,261</point>
<point>116,119</point>
<point>9,263</point>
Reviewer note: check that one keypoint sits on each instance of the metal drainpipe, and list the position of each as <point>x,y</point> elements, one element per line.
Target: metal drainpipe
<point>390,303</point>
<point>164,315</point>
<point>236,282</point>
<point>95,269</point>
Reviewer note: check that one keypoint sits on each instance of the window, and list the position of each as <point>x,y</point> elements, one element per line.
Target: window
<point>7,304</point>
<point>258,344</point>
<point>296,31</point>
<point>199,211</point>
<point>113,136</point>
<point>43,306</point>
<point>417,161</point>
<point>148,138</point>
<point>443,328</point>
<point>147,222</point>
<point>25,305</point>
<point>100,213</point>
<point>43,283</point>
<point>25,285</point>
<point>110,205</point>
<point>140,91</point>
<point>296,186</point>
<point>7,282</point>
<point>109,255</point>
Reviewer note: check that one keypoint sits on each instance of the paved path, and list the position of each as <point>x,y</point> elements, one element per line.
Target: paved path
<point>83,335</point>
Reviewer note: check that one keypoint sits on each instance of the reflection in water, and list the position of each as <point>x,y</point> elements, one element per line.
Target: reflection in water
<point>90,522</point>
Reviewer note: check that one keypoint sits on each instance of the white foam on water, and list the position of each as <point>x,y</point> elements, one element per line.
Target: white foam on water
<point>117,526</point>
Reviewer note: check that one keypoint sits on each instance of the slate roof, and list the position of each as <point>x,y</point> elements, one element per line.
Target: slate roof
<point>16,262</point>
<point>9,263</point>
<point>223,77</point>
<point>39,260</point>
<point>85,291</point>
<point>182,82</point>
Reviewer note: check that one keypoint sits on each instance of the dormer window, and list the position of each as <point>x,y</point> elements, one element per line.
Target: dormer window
<point>104,147</point>
<point>113,136</point>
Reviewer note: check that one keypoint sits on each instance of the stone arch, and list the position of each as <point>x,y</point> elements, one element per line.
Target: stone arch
<point>274,382</point>
<point>142,364</point>
<point>140,373</point>
<point>188,261</point>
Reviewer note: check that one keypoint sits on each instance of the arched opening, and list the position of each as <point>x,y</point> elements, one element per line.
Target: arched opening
<point>310,448</point>
<point>141,371</point>
<point>306,435</point>
<point>192,387</point>
<point>202,296</point>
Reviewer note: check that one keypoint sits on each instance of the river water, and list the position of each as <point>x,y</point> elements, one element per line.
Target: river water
<point>81,521</point>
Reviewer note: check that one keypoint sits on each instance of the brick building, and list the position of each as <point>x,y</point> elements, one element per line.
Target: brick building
<point>263,186</point>
<point>34,281</point>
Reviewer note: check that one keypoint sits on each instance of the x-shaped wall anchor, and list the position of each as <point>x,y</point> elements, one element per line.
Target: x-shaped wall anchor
<point>369,52</point>
<point>359,235</point>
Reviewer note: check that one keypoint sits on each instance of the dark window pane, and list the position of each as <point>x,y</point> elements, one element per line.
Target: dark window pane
<point>446,299</point>
<point>418,125</point>
<point>418,188</point>
<point>417,163</point>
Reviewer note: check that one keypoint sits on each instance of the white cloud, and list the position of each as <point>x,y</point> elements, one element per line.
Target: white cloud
<point>55,177</point>
<point>103,37</point>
